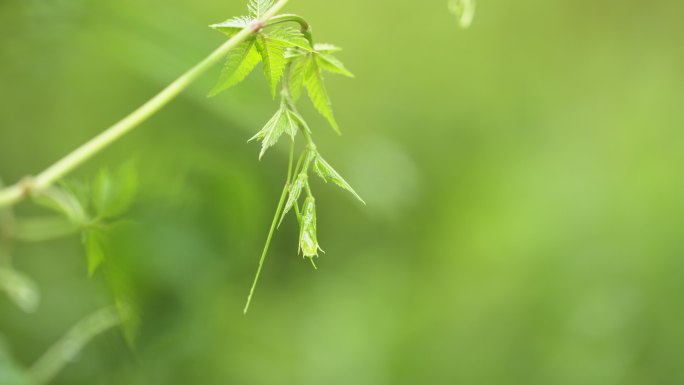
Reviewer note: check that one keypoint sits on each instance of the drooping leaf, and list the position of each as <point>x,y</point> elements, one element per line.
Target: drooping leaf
<point>283,122</point>
<point>325,171</point>
<point>95,242</point>
<point>273,60</point>
<point>308,240</point>
<point>257,8</point>
<point>297,77</point>
<point>20,289</point>
<point>239,63</point>
<point>317,93</point>
<point>113,191</point>
<point>295,191</point>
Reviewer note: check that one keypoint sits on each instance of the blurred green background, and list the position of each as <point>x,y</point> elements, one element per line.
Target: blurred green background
<point>524,184</point>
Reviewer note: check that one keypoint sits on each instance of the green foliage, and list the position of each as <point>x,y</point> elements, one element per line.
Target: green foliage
<point>291,59</point>
<point>325,171</point>
<point>94,209</point>
<point>283,122</point>
<point>239,63</point>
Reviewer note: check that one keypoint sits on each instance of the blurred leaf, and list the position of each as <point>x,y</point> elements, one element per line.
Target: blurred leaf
<point>68,200</point>
<point>21,290</point>
<point>113,192</point>
<point>95,242</point>
<point>326,171</point>
<point>464,11</point>
<point>43,228</point>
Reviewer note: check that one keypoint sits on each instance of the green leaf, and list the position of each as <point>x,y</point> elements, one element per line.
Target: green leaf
<point>297,77</point>
<point>257,8</point>
<point>317,92</point>
<point>232,26</point>
<point>95,242</point>
<point>325,171</point>
<point>240,62</point>
<point>308,241</point>
<point>20,289</point>
<point>290,37</point>
<point>295,191</point>
<point>331,64</point>
<point>283,122</point>
<point>114,192</point>
<point>273,57</point>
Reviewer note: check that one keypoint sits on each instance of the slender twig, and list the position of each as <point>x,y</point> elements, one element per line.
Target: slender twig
<point>14,194</point>
<point>64,350</point>
<point>274,226</point>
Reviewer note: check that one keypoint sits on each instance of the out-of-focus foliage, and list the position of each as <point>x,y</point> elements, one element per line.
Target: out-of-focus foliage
<point>523,180</point>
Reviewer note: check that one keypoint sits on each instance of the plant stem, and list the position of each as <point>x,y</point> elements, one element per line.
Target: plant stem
<point>274,226</point>
<point>64,351</point>
<point>14,194</point>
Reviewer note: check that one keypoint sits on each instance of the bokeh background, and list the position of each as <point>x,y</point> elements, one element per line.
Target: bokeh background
<point>524,181</point>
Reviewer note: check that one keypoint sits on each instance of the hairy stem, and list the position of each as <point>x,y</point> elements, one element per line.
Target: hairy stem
<point>14,194</point>
<point>274,226</point>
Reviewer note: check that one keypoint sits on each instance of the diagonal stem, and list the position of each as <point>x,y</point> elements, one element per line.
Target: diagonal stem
<point>274,226</point>
<point>20,191</point>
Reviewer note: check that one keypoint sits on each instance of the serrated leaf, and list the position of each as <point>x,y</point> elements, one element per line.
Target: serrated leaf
<point>273,60</point>
<point>326,171</point>
<point>283,122</point>
<point>317,93</point>
<point>232,26</point>
<point>240,61</point>
<point>113,192</point>
<point>295,192</point>
<point>20,289</point>
<point>308,240</point>
<point>331,64</point>
<point>290,37</point>
<point>95,242</point>
<point>257,8</point>
<point>297,77</point>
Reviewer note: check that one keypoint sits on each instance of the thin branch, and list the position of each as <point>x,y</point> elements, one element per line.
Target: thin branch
<point>15,194</point>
